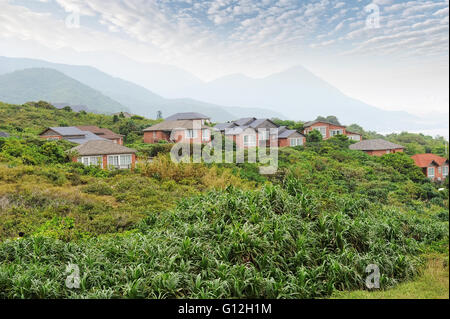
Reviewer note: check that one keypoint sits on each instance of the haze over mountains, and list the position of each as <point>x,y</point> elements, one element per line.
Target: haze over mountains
<point>295,94</point>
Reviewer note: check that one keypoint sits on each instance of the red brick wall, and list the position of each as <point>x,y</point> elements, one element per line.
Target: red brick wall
<point>437,175</point>
<point>383,152</point>
<point>178,136</point>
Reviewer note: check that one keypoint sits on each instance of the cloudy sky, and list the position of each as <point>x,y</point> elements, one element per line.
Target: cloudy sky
<point>391,54</point>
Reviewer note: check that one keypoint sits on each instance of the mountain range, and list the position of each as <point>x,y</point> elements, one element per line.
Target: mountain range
<point>123,95</point>
<point>295,93</point>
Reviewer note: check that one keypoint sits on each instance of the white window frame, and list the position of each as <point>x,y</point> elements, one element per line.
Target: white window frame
<point>191,134</point>
<point>445,171</point>
<point>336,132</point>
<point>251,140</point>
<point>263,135</point>
<point>433,170</point>
<point>296,141</point>
<point>439,170</point>
<point>320,128</point>
<point>124,161</point>
<point>91,160</point>
<point>205,134</point>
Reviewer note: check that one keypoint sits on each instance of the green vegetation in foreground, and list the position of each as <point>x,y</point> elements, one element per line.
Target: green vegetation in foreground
<point>170,230</point>
<point>432,283</point>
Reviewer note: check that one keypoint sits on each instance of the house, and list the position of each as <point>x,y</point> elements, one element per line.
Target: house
<point>328,130</point>
<point>433,166</point>
<point>288,137</point>
<point>4,134</point>
<point>178,131</point>
<point>103,132</point>
<point>124,114</point>
<point>104,153</point>
<point>377,147</point>
<point>249,132</point>
<point>71,133</point>
<point>189,116</point>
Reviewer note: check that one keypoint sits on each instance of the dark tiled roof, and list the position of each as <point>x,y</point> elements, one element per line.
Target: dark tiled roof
<point>102,132</point>
<point>286,133</point>
<point>101,147</point>
<point>374,145</point>
<point>187,116</point>
<point>171,125</point>
<point>75,135</point>
<point>244,121</point>
<point>68,131</point>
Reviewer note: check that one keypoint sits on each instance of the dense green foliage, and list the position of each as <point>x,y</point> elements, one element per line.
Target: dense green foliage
<point>201,230</point>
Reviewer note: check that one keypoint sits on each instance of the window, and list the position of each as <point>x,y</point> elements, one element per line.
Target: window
<point>52,139</point>
<point>113,160</point>
<point>322,130</point>
<point>264,135</point>
<point>336,132</point>
<point>191,134</point>
<point>91,160</point>
<point>125,161</point>
<point>295,141</point>
<point>439,170</point>
<point>154,135</point>
<point>430,171</point>
<point>205,134</point>
<point>354,137</point>
<point>445,171</point>
<point>249,140</point>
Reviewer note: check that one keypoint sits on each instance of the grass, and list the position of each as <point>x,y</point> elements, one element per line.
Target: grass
<point>432,283</point>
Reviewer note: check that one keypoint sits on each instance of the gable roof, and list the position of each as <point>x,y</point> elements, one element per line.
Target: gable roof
<point>187,116</point>
<point>66,131</point>
<point>308,124</point>
<point>375,145</point>
<point>101,147</point>
<point>244,121</point>
<point>173,125</point>
<point>74,134</point>
<point>4,134</point>
<point>424,160</point>
<point>284,132</point>
<point>103,132</point>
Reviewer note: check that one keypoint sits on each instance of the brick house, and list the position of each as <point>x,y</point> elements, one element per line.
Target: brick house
<point>433,166</point>
<point>377,147</point>
<point>104,153</point>
<point>249,132</point>
<point>288,137</point>
<point>180,131</point>
<point>329,130</point>
<point>103,132</point>
<point>72,134</point>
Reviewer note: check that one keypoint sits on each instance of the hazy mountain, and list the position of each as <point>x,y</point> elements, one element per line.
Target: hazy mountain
<point>301,95</point>
<point>50,85</point>
<point>136,98</point>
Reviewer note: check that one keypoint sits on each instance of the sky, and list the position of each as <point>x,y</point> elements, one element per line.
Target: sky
<point>390,54</point>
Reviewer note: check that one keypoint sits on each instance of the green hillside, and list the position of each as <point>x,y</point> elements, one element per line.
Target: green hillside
<point>46,84</point>
<point>169,230</point>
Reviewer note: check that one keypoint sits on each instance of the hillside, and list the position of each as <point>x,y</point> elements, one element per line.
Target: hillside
<point>136,98</point>
<point>46,84</point>
<point>171,230</point>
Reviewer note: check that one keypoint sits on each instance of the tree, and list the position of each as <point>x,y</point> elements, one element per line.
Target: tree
<point>314,136</point>
<point>115,118</point>
<point>159,115</point>
<point>67,109</point>
<point>330,118</point>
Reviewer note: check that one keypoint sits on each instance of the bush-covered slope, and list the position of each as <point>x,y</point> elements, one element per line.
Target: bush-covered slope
<point>50,85</point>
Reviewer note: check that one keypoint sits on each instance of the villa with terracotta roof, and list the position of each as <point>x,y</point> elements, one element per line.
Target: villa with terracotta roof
<point>328,130</point>
<point>433,166</point>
